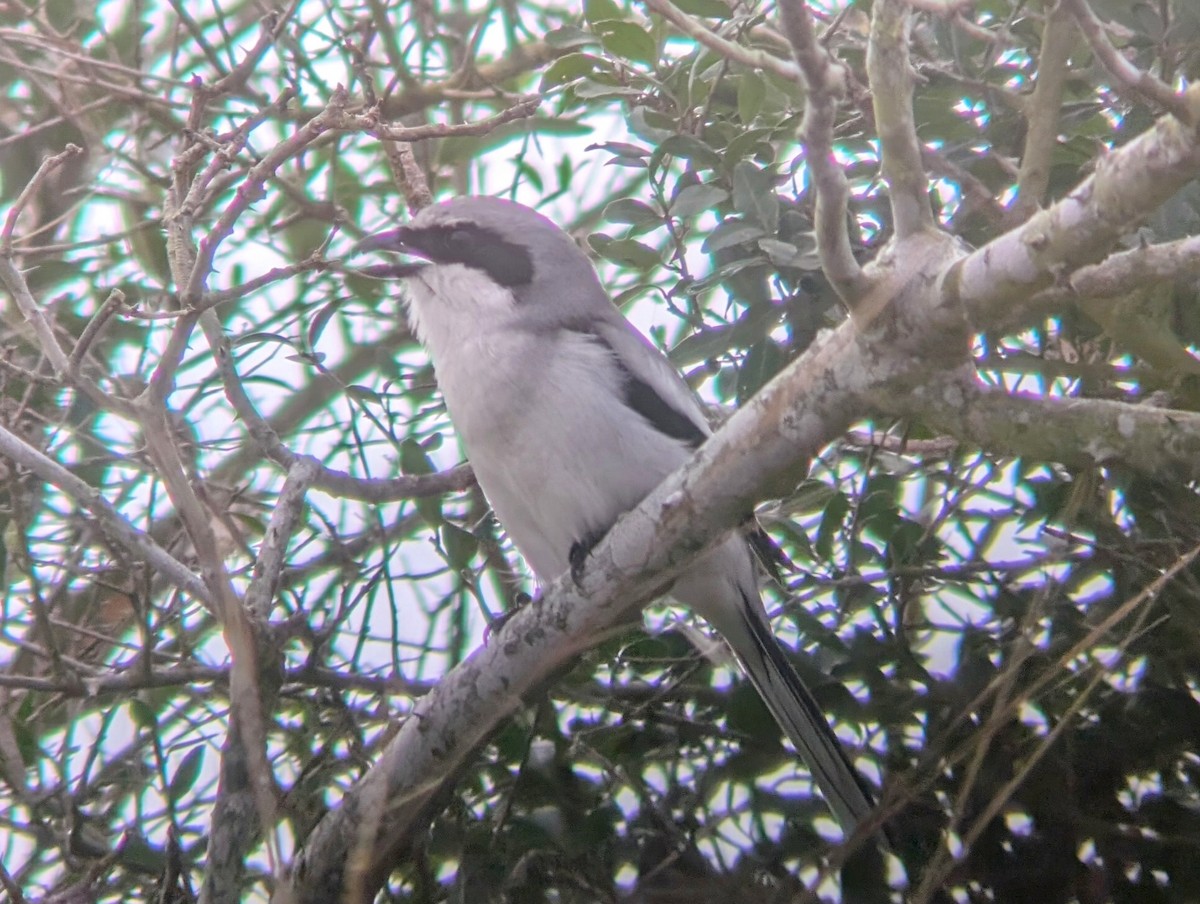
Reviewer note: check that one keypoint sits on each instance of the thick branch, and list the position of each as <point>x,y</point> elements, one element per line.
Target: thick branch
<point>891,77</point>
<point>1077,432</point>
<point>1041,114</point>
<point>1127,186</point>
<point>825,81</point>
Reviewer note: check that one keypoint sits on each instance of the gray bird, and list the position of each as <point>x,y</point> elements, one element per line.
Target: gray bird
<point>570,417</point>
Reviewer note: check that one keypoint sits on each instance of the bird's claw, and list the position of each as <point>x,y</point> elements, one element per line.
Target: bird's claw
<point>496,625</point>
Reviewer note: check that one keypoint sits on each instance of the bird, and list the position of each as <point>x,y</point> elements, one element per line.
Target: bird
<point>570,417</point>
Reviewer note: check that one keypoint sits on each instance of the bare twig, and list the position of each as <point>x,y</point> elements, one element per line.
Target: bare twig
<point>756,59</point>
<point>12,277</point>
<point>1128,75</point>
<point>221,296</point>
<point>242,789</point>
<point>111,521</point>
<point>15,895</point>
<point>825,81</point>
<point>369,123</point>
<point>252,189</point>
<point>264,581</point>
<point>95,326</point>
<point>407,174</point>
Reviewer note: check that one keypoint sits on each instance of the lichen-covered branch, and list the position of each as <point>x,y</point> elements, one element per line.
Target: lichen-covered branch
<point>891,76</point>
<point>825,81</point>
<point>1128,185</point>
<point>1041,113</point>
<point>1080,432</point>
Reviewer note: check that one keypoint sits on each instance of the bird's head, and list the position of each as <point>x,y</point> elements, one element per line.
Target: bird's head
<point>512,244</point>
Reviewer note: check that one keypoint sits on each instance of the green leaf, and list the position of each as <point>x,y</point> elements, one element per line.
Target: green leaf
<point>832,517</point>
<point>619,148</point>
<point>689,147</point>
<point>570,36</point>
<point>459,546</point>
<point>413,459</point>
<point>600,10</point>
<point>142,714</point>
<point>626,252</point>
<point>709,9</point>
<point>751,143</point>
<point>568,68</point>
<point>632,212</point>
<point>261,337</point>
<point>650,125</point>
<point>591,89</point>
<point>186,773</point>
<point>729,233</point>
<point>321,319</point>
<point>785,254</point>
<point>364,393</point>
<point>696,199</point>
<point>754,196</point>
<point>762,363</point>
<point>627,40</point>
<point>752,90</point>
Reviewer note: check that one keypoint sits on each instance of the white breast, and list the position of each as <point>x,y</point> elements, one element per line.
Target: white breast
<point>541,415</point>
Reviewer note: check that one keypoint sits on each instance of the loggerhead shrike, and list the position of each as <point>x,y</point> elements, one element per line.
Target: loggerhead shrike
<point>570,417</point>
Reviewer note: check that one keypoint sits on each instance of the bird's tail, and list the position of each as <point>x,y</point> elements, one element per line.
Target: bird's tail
<point>797,712</point>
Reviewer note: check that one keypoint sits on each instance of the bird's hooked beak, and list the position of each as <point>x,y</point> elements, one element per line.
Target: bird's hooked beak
<point>397,241</point>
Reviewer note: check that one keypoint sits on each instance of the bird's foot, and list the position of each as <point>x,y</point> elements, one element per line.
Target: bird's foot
<point>496,625</point>
<point>580,550</point>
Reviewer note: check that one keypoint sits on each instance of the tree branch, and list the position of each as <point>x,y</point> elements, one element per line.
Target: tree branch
<point>1127,75</point>
<point>1127,186</point>
<point>891,76</point>
<point>1086,432</point>
<point>1041,113</point>
<point>233,828</point>
<point>730,50</point>
<point>825,81</point>
<point>111,521</point>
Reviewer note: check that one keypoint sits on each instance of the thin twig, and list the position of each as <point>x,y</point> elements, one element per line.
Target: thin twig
<point>289,506</point>
<point>947,9</point>
<point>407,174</point>
<point>13,278</point>
<point>95,326</point>
<point>139,544</point>
<point>369,123</point>
<point>756,59</point>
